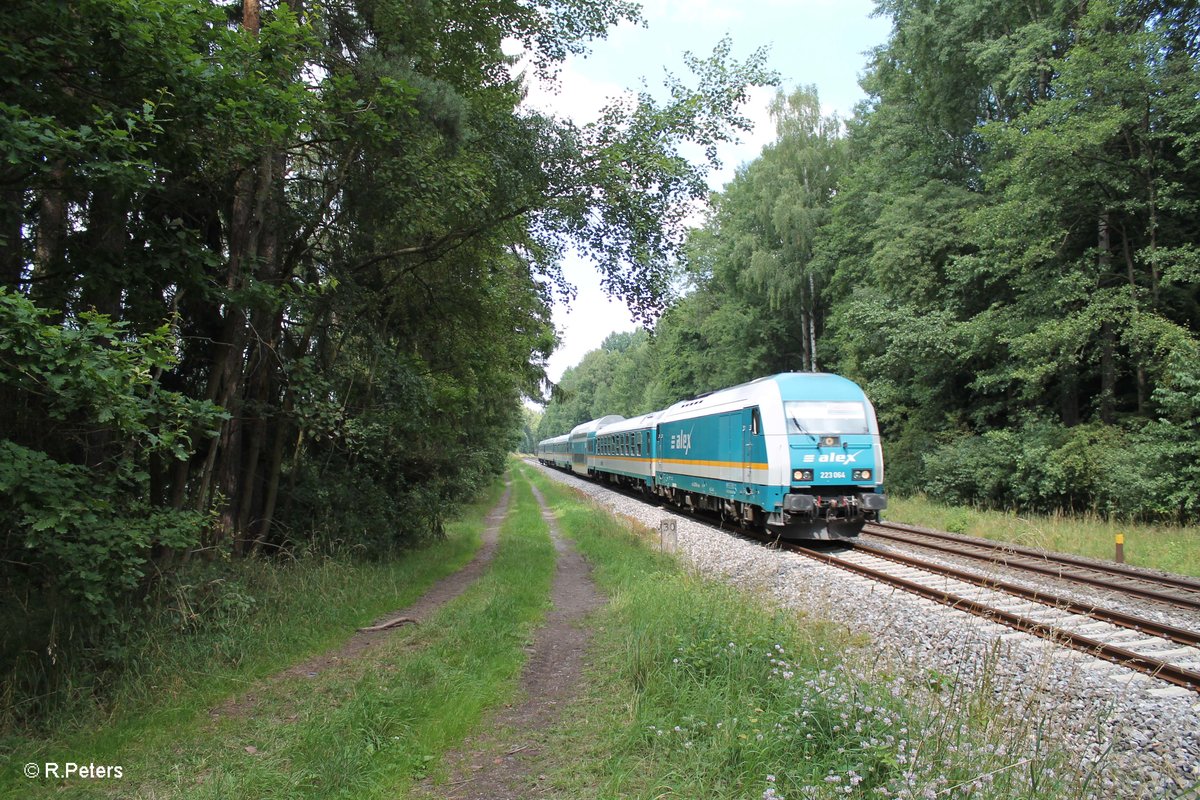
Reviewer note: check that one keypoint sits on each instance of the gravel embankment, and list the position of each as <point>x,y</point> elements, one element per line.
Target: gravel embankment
<point>1143,734</point>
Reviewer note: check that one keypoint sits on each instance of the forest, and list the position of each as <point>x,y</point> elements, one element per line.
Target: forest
<point>1000,246</point>
<point>275,277</point>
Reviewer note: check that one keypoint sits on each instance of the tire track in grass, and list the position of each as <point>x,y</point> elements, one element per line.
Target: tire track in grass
<point>502,764</point>
<point>437,596</point>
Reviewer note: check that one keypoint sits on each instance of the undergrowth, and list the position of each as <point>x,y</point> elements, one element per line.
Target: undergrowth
<point>217,629</point>
<point>1166,547</point>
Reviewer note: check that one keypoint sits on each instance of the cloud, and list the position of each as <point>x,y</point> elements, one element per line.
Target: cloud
<point>586,323</point>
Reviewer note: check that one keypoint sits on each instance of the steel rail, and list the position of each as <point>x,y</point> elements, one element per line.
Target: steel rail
<point>1055,572</point>
<point>1140,624</point>
<point>1177,581</point>
<point>1171,673</point>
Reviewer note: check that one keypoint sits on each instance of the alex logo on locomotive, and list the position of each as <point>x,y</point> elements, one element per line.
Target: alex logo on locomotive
<point>682,441</point>
<point>831,458</point>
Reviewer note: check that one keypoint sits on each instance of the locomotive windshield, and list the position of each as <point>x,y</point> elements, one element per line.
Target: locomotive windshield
<point>806,416</point>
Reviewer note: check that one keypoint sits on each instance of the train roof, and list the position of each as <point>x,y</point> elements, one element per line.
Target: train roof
<point>633,423</point>
<point>555,439</point>
<point>783,387</point>
<point>594,425</point>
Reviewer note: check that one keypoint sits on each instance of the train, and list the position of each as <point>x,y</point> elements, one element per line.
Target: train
<point>797,454</point>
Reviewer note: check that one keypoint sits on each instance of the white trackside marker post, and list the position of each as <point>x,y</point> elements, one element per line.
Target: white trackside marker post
<point>668,536</point>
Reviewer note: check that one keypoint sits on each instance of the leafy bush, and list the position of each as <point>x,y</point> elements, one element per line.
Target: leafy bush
<point>79,527</point>
<point>972,469</point>
<point>1147,472</point>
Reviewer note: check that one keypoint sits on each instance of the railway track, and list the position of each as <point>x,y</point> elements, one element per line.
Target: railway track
<point>1165,652</point>
<point>1171,590</point>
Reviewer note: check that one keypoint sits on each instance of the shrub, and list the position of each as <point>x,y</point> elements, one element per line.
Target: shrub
<point>1146,472</point>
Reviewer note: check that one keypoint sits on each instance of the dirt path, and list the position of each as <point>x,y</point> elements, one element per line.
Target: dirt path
<point>438,595</point>
<point>502,764</point>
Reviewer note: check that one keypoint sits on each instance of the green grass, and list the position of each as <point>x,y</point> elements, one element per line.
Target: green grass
<point>1162,547</point>
<point>367,728</point>
<point>700,690</point>
<point>695,689</point>
<point>186,660</point>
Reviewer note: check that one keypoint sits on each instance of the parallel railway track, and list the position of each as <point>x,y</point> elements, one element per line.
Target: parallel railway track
<point>1173,590</point>
<point>1165,652</point>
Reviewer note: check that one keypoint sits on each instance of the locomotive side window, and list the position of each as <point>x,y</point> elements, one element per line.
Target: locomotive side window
<point>755,422</point>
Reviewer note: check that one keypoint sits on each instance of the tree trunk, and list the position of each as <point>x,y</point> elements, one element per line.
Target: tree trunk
<point>261,377</point>
<point>50,284</point>
<point>274,471</point>
<point>1069,397</point>
<point>812,323</point>
<point>226,374</point>
<point>1139,368</point>
<point>105,245</point>
<point>12,220</point>
<point>1108,372</point>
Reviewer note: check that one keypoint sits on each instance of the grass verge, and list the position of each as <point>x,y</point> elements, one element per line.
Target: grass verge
<point>700,690</point>
<point>365,728</point>
<point>1162,547</point>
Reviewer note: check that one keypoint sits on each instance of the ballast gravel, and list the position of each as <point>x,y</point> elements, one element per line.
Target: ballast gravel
<point>1142,735</point>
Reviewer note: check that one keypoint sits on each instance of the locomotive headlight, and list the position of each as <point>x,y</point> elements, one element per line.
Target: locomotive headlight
<point>861,474</point>
<point>802,475</point>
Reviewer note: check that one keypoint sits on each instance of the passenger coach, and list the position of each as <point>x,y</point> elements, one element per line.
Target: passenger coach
<point>625,452</point>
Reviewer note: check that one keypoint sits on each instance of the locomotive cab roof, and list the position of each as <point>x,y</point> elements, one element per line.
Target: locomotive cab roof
<point>774,389</point>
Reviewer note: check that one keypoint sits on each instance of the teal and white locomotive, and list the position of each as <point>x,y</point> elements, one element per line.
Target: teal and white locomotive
<point>796,453</point>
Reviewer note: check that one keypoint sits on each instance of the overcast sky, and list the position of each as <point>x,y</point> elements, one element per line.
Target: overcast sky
<point>821,42</point>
